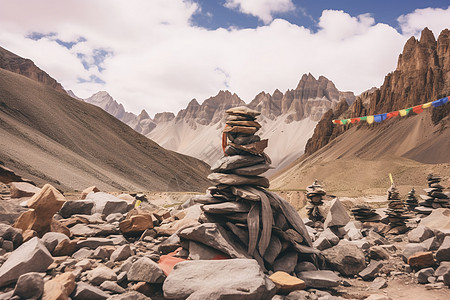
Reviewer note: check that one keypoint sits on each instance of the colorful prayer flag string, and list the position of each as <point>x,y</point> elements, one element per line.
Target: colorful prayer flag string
<point>403,112</point>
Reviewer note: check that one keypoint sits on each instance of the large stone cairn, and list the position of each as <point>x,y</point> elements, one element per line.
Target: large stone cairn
<point>435,198</point>
<point>396,211</point>
<point>315,194</point>
<point>240,218</point>
<point>411,201</point>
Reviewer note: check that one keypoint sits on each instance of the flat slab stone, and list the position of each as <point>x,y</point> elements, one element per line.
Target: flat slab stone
<point>232,179</point>
<point>319,279</point>
<point>236,161</point>
<point>189,277</point>
<point>31,256</point>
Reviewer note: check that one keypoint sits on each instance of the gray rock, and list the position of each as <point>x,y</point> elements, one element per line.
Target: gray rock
<point>145,269</point>
<point>236,161</point>
<point>83,253</point>
<point>94,242</point>
<point>117,217</point>
<point>432,243</point>
<point>443,253</point>
<point>198,251</point>
<point>121,253</point>
<point>422,275</point>
<point>107,204</point>
<point>32,256</point>
<point>85,230</point>
<point>354,234</point>
<point>8,246</point>
<point>214,236</point>
<point>337,215</point>
<point>85,291</point>
<point>378,253</point>
<point>170,245</point>
<point>298,295</point>
<point>420,234</point>
<point>29,286</point>
<point>101,253</point>
<point>112,287</point>
<point>378,283</point>
<point>101,274</point>
<point>304,266</point>
<point>74,207</point>
<point>319,279</point>
<point>411,249</point>
<point>346,259</point>
<point>443,268</point>
<point>133,295</point>
<point>286,262</point>
<point>52,239</point>
<point>371,271</point>
<point>361,244</point>
<point>227,207</point>
<point>243,276</point>
<point>10,233</point>
<point>22,189</point>
<point>446,278</point>
<point>322,243</point>
<point>330,236</point>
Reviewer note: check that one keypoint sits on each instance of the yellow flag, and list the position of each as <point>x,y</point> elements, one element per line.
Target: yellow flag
<point>403,112</point>
<point>426,105</point>
<point>390,177</point>
<point>370,119</point>
<point>138,202</point>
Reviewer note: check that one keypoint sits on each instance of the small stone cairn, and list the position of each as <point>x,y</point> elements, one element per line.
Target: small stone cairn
<point>412,202</point>
<point>365,213</point>
<point>240,218</point>
<point>435,198</point>
<point>396,211</point>
<point>315,194</point>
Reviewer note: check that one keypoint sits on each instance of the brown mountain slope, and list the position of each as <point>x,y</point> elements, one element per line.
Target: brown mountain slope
<point>23,66</point>
<point>47,136</point>
<point>358,161</point>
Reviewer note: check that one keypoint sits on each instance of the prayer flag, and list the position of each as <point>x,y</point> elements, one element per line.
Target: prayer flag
<point>417,109</point>
<point>426,105</point>
<point>439,102</point>
<point>344,121</point>
<point>370,119</point>
<point>380,117</point>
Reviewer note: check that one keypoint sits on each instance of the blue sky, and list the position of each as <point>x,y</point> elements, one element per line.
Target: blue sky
<point>160,54</point>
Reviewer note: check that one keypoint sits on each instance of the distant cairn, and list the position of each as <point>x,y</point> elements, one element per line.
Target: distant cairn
<point>315,194</point>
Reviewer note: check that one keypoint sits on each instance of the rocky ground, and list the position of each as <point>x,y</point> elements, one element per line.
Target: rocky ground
<point>102,246</point>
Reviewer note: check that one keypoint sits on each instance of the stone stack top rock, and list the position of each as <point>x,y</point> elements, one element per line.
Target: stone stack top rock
<point>435,198</point>
<point>411,201</point>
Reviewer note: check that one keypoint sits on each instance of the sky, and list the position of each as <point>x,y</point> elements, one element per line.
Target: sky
<point>158,55</point>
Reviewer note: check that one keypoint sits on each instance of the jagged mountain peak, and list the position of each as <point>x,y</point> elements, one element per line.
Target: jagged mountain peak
<point>143,115</point>
<point>163,117</point>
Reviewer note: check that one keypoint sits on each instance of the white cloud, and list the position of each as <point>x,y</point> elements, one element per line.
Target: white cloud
<point>434,18</point>
<point>157,60</point>
<point>263,9</point>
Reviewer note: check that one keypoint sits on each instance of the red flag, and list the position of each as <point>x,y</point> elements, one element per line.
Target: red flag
<point>417,109</point>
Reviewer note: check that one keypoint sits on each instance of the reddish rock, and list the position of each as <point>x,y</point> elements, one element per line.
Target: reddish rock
<point>60,287</point>
<point>22,189</point>
<point>136,224</point>
<point>421,259</point>
<point>287,283</point>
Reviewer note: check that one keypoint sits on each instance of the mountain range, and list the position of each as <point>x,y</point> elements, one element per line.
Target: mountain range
<point>49,137</point>
<point>288,119</point>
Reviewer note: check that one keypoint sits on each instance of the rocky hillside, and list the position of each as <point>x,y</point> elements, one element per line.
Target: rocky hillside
<point>288,119</point>
<point>14,63</point>
<point>357,158</point>
<point>47,136</point>
<point>422,75</point>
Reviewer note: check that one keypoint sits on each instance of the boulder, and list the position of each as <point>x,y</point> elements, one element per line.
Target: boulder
<point>29,286</point>
<point>421,259</point>
<point>44,205</point>
<point>32,256</point>
<point>346,259</point>
<point>438,219</point>
<point>145,269</point>
<point>76,207</point>
<point>85,291</point>
<point>121,253</point>
<point>60,287</point>
<point>319,279</point>
<point>443,268</point>
<point>443,253</point>
<point>371,271</point>
<point>337,215</point>
<point>10,233</point>
<point>422,275</point>
<point>420,234</point>
<point>22,189</point>
<point>52,239</point>
<point>100,274</point>
<point>243,276</point>
<point>106,204</point>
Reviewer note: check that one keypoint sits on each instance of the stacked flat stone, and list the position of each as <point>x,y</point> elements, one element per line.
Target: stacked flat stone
<point>411,201</point>
<point>315,194</point>
<point>364,213</point>
<point>435,197</point>
<point>397,214</point>
<point>240,218</point>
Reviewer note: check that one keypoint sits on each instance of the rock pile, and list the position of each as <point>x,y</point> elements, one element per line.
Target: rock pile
<point>435,198</point>
<point>315,194</point>
<point>396,212</point>
<point>365,213</point>
<point>240,218</point>
<point>411,201</point>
